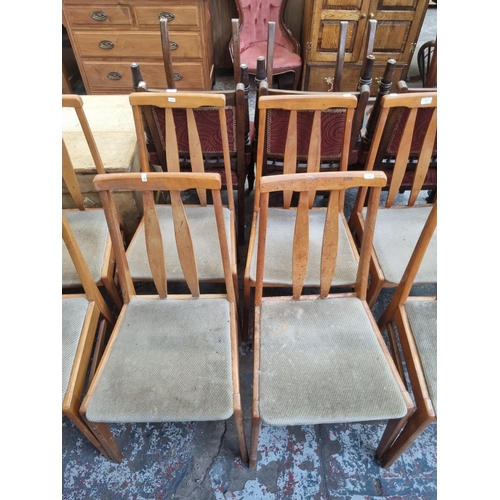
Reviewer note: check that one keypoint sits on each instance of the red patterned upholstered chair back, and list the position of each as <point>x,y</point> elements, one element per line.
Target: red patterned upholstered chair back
<point>249,41</point>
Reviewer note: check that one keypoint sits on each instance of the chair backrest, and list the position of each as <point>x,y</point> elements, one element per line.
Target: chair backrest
<point>427,63</point>
<point>335,184</point>
<point>250,38</point>
<point>68,172</point>
<point>182,119</point>
<point>176,183</point>
<point>307,126</point>
<point>418,126</point>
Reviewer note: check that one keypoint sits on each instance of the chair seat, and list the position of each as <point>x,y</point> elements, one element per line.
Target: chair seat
<point>396,233</point>
<point>205,240</point>
<point>74,311</point>
<point>422,316</point>
<point>321,363</point>
<point>284,59</point>
<point>164,367</point>
<point>279,245</point>
<point>91,233</point>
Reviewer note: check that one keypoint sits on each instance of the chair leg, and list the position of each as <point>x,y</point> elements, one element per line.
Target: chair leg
<point>240,430</point>
<point>112,290</point>
<point>246,306</point>
<point>254,442</point>
<point>392,429</point>
<point>374,288</point>
<point>416,424</point>
<point>84,429</point>
<point>105,437</point>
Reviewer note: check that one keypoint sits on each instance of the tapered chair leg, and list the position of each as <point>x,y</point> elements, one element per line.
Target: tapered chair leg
<point>85,430</point>
<point>254,442</point>
<point>240,430</point>
<point>418,422</point>
<point>105,437</point>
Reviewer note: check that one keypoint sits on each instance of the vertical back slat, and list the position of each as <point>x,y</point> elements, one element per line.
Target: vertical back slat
<point>195,152</point>
<point>290,157</point>
<point>300,251</point>
<point>184,242</point>
<point>424,159</point>
<point>330,243</point>
<point>154,244</point>
<point>402,157</point>
<point>172,152</point>
<point>314,151</point>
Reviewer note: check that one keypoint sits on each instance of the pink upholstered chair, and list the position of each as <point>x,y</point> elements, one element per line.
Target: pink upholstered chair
<point>250,40</point>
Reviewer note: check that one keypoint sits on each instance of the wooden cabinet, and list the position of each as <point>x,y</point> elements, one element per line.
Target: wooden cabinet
<point>398,28</point>
<point>108,35</point>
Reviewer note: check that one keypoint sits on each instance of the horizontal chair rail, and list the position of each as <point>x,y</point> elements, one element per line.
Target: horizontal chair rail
<point>316,102</point>
<point>321,181</point>
<point>157,181</point>
<point>175,100</point>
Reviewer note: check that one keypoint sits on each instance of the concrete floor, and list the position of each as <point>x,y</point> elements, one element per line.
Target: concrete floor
<point>200,460</point>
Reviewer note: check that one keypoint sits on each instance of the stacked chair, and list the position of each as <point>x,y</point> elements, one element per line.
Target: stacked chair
<point>415,320</point>
<point>183,344</point>
<point>85,319</point>
<point>401,219</point>
<point>87,224</point>
<point>239,130</point>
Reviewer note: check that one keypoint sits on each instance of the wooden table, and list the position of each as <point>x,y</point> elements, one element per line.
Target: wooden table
<point>112,124</point>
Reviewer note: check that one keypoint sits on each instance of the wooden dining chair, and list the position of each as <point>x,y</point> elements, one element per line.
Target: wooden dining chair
<point>240,131</point>
<point>172,357</point>
<point>319,357</point>
<point>184,121</point>
<point>304,129</point>
<point>415,321</point>
<point>362,92</point>
<point>87,224</point>
<point>249,39</point>
<point>85,318</point>
<point>401,219</point>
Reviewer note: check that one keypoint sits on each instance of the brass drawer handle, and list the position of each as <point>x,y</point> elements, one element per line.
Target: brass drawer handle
<point>114,75</point>
<point>106,44</point>
<point>99,15</point>
<point>169,16</point>
<point>177,76</point>
<point>174,45</point>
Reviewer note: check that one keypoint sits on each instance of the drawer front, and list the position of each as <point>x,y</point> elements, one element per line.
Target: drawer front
<point>137,44</point>
<point>99,16</point>
<point>179,16</point>
<point>116,76</point>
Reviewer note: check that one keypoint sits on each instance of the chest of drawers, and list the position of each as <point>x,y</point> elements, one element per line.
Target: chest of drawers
<point>108,35</point>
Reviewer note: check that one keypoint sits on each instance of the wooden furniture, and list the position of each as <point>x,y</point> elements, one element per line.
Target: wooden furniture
<point>84,317</point>
<point>87,224</point>
<point>239,128</point>
<point>112,124</point>
<point>398,28</point>
<point>249,39</point>
<point>415,319</point>
<point>108,36</point>
<point>183,347</point>
<point>427,63</point>
<point>306,127</point>
<point>321,358</point>
<point>183,112</point>
<point>401,219</point>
